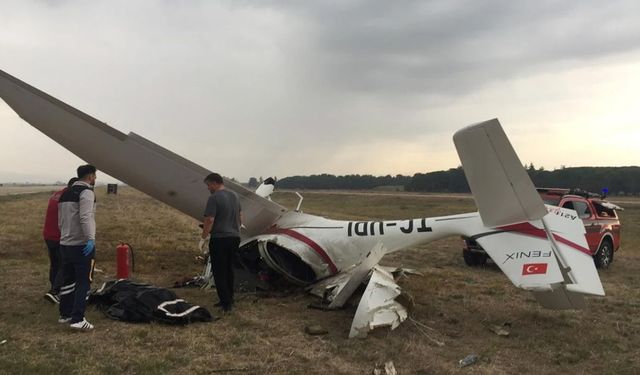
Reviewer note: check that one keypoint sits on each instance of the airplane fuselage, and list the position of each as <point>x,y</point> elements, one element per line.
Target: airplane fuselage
<point>330,246</point>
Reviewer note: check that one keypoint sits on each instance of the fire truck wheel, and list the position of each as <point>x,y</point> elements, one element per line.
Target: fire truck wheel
<point>604,256</point>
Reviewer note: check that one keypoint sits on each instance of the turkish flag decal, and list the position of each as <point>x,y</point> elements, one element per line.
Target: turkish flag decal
<point>534,268</point>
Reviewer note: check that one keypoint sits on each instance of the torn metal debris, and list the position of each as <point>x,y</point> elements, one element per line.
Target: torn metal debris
<point>378,307</point>
<point>387,369</point>
<point>336,291</point>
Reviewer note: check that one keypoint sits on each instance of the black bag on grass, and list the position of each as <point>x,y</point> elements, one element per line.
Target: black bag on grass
<point>129,301</point>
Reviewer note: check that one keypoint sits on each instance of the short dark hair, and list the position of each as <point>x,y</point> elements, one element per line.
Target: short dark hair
<point>214,177</point>
<point>72,181</point>
<point>85,170</point>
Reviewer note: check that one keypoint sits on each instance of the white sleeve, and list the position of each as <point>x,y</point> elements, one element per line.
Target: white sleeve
<point>87,214</point>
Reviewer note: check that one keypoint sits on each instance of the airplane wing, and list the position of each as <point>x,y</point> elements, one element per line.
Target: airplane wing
<point>130,158</point>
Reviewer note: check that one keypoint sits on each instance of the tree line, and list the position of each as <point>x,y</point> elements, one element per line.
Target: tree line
<point>617,180</point>
<point>348,182</point>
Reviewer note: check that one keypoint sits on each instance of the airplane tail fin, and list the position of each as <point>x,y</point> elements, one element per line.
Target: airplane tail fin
<point>501,187</point>
<point>540,248</point>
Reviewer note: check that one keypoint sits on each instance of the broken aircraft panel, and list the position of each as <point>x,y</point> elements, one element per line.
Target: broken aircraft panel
<point>377,306</point>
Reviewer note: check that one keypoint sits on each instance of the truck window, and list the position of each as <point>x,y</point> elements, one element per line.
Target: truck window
<point>553,201</point>
<point>568,204</point>
<point>604,211</point>
<point>582,208</point>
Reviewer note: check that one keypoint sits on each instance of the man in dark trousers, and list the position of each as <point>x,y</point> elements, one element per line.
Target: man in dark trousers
<point>222,220</point>
<point>76,218</point>
<point>51,234</point>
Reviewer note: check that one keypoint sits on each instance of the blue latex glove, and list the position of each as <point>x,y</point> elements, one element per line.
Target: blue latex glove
<point>91,244</point>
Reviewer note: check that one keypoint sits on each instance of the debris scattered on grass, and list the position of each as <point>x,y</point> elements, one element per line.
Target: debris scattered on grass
<point>468,360</point>
<point>388,368</point>
<point>406,300</point>
<point>315,330</point>
<point>3,342</point>
<point>422,328</point>
<point>239,369</point>
<point>377,307</point>
<point>498,330</point>
<point>196,281</point>
<point>320,306</point>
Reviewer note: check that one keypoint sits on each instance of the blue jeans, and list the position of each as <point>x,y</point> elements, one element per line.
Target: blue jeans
<point>77,274</point>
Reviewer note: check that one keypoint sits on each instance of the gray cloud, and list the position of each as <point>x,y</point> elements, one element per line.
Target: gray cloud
<point>281,87</point>
<point>449,47</point>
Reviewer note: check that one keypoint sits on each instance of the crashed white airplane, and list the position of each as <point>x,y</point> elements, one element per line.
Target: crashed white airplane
<point>330,257</point>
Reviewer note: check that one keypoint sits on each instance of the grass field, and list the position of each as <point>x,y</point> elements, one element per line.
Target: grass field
<point>454,304</point>
<point>16,189</point>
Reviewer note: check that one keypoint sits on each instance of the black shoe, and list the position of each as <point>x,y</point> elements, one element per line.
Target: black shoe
<point>53,298</point>
<point>227,309</point>
<point>220,304</point>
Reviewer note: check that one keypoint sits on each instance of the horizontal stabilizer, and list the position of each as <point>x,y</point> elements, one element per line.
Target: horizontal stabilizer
<point>560,299</point>
<point>548,257</point>
<point>528,261</point>
<point>500,185</point>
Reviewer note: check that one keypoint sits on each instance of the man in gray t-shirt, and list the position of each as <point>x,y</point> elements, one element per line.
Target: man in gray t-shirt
<point>224,207</point>
<point>222,220</point>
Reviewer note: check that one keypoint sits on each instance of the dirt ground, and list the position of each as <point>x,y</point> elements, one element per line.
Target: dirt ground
<point>454,305</point>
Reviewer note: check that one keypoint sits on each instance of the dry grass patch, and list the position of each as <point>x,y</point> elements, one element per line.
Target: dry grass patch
<point>266,335</point>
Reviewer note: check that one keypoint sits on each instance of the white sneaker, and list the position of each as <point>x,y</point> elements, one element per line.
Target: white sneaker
<point>53,298</point>
<point>62,320</point>
<point>82,325</point>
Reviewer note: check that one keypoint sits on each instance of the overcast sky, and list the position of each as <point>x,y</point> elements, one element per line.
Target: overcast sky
<point>263,88</point>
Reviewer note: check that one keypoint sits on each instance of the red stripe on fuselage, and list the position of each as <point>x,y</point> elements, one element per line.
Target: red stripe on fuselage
<point>529,229</point>
<point>311,243</point>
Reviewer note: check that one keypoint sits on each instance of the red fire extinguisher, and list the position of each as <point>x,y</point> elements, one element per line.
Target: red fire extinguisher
<point>124,261</point>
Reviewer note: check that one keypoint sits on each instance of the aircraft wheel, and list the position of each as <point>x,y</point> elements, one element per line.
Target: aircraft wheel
<point>474,259</point>
<point>604,255</point>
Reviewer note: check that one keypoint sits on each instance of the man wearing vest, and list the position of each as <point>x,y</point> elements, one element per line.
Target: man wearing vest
<point>222,220</point>
<point>51,234</point>
<point>76,218</point>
